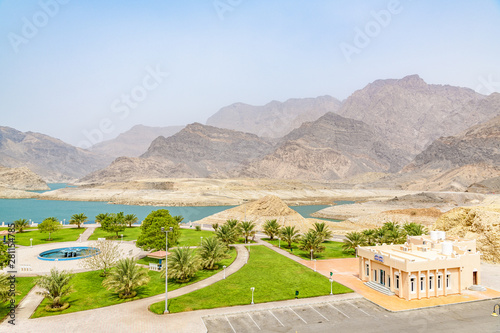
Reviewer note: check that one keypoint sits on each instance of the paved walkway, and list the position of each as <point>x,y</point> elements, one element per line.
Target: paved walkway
<point>87,233</point>
<point>125,317</point>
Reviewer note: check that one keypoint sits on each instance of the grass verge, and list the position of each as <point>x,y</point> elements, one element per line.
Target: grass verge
<point>273,276</point>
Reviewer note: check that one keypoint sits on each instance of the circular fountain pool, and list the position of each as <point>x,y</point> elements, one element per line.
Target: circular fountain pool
<point>68,253</point>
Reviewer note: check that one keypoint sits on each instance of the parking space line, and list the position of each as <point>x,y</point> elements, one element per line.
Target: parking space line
<point>359,309</point>
<point>319,313</point>
<point>248,313</point>
<point>298,315</point>
<point>204,324</point>
<point>339,310</point>
<point>279,321</point>
<point>230,324</point>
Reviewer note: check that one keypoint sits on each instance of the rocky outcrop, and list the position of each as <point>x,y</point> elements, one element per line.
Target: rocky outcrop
<point>267,208</point>
<point>52,159</point>
<point>133,142</point>
<point>275,119</point>
<point>480,223</point>
<point>410,114</point>
<point>329,148</point>
<point>21,179</point>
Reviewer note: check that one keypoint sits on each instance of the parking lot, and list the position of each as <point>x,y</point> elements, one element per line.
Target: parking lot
<point>285,318</point>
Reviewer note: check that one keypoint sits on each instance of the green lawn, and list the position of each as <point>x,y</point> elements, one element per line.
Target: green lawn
<point>128,234</point>
<point>191,237</point>
<point>274,277</point>
<point>24,285</point>
<point>332,250</point>
<point>90,294</point>
<point>62,235</point>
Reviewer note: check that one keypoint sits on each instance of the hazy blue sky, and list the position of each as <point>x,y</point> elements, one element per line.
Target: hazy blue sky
<point>78,69</point>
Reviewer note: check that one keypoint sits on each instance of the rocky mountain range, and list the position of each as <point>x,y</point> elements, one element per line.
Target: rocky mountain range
<point>410,114</point>
<point>52,159</point>
<point>196,151</point>
<point>397,133</point>
<point>329,148</point>
<point>133,142</point>
<point>275,119</point>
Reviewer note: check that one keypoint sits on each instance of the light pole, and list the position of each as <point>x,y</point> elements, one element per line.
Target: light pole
<point>224,271</point>
<point>311,254</point>
<point>201,241</point>
<point>252,289</point>
<point>122,238</point>
<point>315,265</point>
<point>31,242</point>
<point>166,266</point>
<point>279,242</point>
<point>331,286</point>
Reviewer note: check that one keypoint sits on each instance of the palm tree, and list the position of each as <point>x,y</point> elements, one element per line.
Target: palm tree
<point>323,231</point>
<point>211,252</point>
<point>415,229</point>
<point>370,236</point>
<point>130,219</point>
<point>56,286</point>
<point>247,229</point>
<point>271,228</point>
<point>215,226</point>
<point>226,234</point>
<point>311,242</point>
<point>183,263</point>
<point>126,277</point>
<point>352,241</point>
<point>21,224</point>
<point>5,291</point>
<point>289,235</point>
<point>178,218</point>
<point>78,219</point>
<point>101,217</point>
<point>233,223</point>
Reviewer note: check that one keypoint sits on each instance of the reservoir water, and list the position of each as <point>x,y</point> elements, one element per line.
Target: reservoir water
<point>37,210</point>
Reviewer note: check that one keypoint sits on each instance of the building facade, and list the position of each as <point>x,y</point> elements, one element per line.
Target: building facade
<point>423,267</point>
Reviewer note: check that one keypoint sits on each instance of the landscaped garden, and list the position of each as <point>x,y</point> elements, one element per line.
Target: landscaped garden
<point>273,276</point>
<point>90,294</point>
<point>23,286</point>
<point>62,235</point>
<point>332,250</point>
<point>128,234</point>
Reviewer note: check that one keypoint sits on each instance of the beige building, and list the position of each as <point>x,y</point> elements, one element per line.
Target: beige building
<point>423,267</point>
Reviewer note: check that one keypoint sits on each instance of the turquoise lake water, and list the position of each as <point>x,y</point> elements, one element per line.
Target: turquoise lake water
<point>38,210</point>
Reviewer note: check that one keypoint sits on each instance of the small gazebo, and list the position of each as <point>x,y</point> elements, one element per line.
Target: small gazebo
<point>160,255</point>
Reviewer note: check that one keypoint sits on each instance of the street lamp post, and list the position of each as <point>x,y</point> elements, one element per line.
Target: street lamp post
<point>224,271</point>
<point>331,286</point>
<point>31,242</point>
<point>311,254</point>
<point>122,238</point>
<point>166,267</point>
<point>252,289</point>
<point>201,241</point>
<point>315,265</point>
<point>279,242</point>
